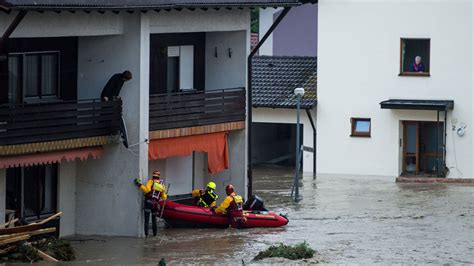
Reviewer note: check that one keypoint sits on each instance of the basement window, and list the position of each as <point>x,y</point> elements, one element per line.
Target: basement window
<point>414,57</point>
<point>360,127</point>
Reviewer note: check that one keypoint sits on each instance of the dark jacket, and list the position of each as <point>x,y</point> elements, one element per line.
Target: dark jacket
<point>113,86</point>
<point>417,68</point>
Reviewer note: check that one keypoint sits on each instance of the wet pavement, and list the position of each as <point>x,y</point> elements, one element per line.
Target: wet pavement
<point>362,220</point>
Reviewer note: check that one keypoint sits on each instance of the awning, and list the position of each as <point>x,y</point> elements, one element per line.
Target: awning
<point>439,105</point>
<point>214,144</point>
<point>51,157</point>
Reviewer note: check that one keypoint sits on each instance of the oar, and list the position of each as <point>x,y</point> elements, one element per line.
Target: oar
<point>164,205</point>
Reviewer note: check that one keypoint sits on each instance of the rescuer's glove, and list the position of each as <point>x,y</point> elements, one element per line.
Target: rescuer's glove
<point>137,182</point>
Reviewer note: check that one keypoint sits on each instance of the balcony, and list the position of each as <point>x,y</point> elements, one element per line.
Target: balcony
<point>44,122</point>
<point>197,109</point>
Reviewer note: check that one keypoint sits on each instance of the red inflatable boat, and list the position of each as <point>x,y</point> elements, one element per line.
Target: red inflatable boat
<point>180,215</point>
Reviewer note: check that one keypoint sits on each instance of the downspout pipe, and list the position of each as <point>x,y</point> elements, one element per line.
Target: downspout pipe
<point>13,25</point>
<point>310,117</point>
<point>249,97</point>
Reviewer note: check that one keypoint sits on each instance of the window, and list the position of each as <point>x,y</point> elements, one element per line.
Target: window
<point>32,191</point>
<point>360,127</point>
<point>414,57</point>
<point>33,76</point>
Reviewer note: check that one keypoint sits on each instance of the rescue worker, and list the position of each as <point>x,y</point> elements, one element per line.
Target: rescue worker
<point>154,190</point>
<point>232,206</point>
<point>205,198</point>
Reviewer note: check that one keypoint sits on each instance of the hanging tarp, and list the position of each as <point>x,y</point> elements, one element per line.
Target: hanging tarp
<point>214,144</point>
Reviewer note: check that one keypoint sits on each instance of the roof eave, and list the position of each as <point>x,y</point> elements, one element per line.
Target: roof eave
<point>143,8</point>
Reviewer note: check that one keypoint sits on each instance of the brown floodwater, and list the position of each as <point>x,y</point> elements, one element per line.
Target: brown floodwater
<point>347,219</point>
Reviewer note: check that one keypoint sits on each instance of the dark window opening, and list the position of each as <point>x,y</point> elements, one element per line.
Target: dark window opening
<point>360,127</point>
<point>415,57</point>
<point>274,144</point>
<point>32,191</point>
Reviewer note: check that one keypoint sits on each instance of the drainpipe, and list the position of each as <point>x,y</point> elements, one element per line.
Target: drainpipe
<point>16,21</point>
<point>310,117</point>
<point>249,96</point>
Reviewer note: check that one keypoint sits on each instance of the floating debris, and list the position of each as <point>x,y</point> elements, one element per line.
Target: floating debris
<point>296,252</point>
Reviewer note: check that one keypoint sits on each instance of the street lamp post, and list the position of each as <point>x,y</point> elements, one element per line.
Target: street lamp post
<point>299,92</point>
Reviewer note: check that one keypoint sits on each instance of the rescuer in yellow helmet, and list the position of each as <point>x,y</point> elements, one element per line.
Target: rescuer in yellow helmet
<point>206,197</point>
<point>154,190</point>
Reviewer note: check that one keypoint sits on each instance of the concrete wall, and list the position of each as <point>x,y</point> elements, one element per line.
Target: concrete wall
<point>51,24</point>
<point>67,197</point>
<point>288,116</point>
<point>237,172</point>
<point>349,33</point>
<point>223,71</point>
<point>265,22</point>
<point>296,35</point>
<point>3,193</point>
<point>104,187</point>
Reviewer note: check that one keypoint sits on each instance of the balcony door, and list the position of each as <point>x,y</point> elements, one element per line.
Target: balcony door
<point>177,62</point>
<point>33,77</point>
<point>31,192</point>
<point>39,69</point>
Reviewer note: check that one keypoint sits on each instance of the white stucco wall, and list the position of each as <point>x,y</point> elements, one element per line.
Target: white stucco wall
<point>237,172</point>
<point>108,203</point>
<point>358,67</point>
<point>288,116</point>
<point>223,71</point>
<point>51,24</point>
<point>67,198</point>
<point>181,172</point>
<point>265,22</point>
<point>3,194</point>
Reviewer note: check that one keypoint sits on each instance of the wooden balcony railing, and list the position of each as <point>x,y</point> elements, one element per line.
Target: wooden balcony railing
<point>30,123</point>
<point>196,108</point>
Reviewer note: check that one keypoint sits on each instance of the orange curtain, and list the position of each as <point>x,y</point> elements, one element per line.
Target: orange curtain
<point>51,157</point>
<point>215,144</point>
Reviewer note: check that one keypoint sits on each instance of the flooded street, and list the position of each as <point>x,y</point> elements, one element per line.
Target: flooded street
<point>346,219</point>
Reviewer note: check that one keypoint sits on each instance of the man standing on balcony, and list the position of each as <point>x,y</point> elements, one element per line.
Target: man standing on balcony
<point>114,85</point>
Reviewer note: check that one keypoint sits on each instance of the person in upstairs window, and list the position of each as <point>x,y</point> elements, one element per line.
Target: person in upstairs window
<point>417,66</point>
<point>114,85</point>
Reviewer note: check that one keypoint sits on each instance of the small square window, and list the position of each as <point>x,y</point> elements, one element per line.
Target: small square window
<point>360,127</point>
<point>414,57</point>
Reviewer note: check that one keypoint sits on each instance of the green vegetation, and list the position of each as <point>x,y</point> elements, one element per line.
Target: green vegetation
<point>254,17</point>
<point>296,252</point>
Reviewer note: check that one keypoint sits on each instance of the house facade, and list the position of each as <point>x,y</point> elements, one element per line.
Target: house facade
<point>184,109</point>
<point>391,101</point>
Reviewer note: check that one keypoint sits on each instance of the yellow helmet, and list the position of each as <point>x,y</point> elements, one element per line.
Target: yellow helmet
<point>211,185</point>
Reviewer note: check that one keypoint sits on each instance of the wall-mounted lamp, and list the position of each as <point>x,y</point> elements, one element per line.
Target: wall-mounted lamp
<point>230,52</point>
